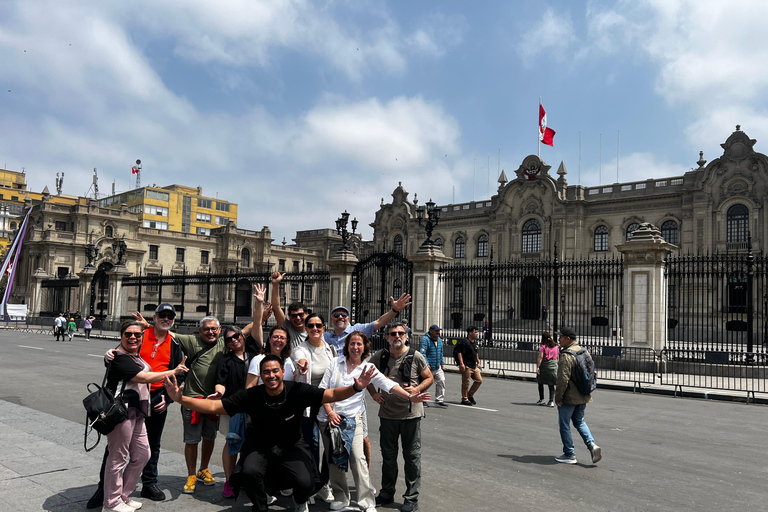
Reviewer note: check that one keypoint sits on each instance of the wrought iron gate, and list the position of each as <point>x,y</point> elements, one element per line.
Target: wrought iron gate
<point>377,278</point>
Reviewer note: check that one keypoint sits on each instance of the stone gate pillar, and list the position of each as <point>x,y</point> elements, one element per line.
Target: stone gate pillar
<point>341,268</point>
<point>645,289</point>
<point>84,291</point>
<point>427,293</point>
<point>117,294</point>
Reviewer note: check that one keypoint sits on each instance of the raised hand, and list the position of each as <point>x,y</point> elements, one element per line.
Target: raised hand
<point>365,377</point>
<point>259,292</point>
<point>277,277</point>
<point>173,389</point>
<point>400,304</point>
<point>181,368</point>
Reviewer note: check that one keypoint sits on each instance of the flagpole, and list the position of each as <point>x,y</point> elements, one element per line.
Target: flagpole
<point>538,136</point>
<point>618,145</point>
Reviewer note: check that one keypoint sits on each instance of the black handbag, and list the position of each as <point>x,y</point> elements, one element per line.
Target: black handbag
<point>103,410</point>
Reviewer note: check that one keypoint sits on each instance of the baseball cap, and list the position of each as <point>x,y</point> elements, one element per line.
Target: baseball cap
<point>568,332</point>
<point>165,307</point>
<point>340,308</point>
<point>434,327</point>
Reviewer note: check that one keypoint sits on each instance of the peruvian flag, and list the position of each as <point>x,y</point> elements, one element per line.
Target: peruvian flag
<point>135,170</point>
<point>10,266</point>
<point>546,135</point>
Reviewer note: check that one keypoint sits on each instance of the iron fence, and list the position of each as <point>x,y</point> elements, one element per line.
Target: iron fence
<point>226,295</point>
<point>375,279</point>
<point>512,303</point>
<point>717,303</point>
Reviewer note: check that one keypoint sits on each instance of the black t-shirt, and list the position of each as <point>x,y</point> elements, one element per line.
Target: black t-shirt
<point>276,419</point>
<point>124,368</point>
<point>468,353</point>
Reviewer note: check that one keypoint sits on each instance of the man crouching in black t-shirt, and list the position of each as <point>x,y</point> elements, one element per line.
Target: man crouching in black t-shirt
<point>274,455</point>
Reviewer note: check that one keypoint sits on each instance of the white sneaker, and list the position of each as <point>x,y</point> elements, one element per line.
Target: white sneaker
<point>541,402</point>
<point>370,509</point>
<point>550,404</point>
<point>270,499</point>
<point>301,507</point>
<point>135,505</point>
<point>121,507</point>
<point>339,505</point>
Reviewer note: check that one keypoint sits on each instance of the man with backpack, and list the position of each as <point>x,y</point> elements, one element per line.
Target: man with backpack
<point>399,418</point>
<point>575,383</point>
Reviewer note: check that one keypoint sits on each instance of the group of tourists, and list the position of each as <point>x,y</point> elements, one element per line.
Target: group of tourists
<point>67,327</point>
<point>289,403</point>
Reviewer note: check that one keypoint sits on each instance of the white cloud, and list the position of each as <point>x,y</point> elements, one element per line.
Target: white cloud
<point>553,34</point>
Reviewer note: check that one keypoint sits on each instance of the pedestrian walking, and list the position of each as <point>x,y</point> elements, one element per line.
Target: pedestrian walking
<point>87,326</point>
<point>571,404</point>
<point>59,324</point>
<point>546,368</point>
<point>71,328</point>
<point>469,366</point>
<point>431,348</point>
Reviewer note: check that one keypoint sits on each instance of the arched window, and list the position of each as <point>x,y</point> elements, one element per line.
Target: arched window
<point>108,231</point>
<point>458,249</point>
<point>482,246</point>
<point>601,238</point>
<point>532,236</point>
<point>631,229</point>
<point>397,245</point>
<point>439,243</point>
<point>245,258</point>
<point>738,223</point>
<point>13,225</point>
<point>670,232</point>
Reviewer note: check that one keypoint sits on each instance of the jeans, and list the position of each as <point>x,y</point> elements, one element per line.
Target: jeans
<point>575,413</point>
<point>311,433</point>
<point>358,466</point>
<point>410,433</point>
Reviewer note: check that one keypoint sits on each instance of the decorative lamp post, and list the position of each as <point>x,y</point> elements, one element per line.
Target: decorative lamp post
<point>432,216</point>
<point>341,227</point>
<point>119,247</point>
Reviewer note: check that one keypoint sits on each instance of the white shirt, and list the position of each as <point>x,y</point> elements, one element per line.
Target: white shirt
<point>254,369</point>
<point>352,405</point>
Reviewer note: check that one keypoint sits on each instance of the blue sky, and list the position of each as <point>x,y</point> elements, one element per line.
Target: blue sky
<point>298,110</point>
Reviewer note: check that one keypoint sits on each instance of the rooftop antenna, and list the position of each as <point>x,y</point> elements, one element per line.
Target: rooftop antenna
<point>113,187</point>
<point>136,169</point>
<point>59,183</point>
<point>618,145</point>
<point>474,177</point>
<point>489,176</point>
<point>95,184</point>
<point>579,157</point>
<point>601,160</point>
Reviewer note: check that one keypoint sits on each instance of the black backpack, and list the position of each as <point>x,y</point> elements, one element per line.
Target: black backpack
<point>584,373</point>
<point>404,371</point>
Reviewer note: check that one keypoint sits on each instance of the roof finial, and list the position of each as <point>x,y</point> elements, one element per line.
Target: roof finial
<point>738,127</point>
<point>701,161</point>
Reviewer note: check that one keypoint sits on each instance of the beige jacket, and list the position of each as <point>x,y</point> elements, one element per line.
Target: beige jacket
<point>566,391</point>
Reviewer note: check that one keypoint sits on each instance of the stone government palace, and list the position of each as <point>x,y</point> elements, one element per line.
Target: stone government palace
<point>176,230</point>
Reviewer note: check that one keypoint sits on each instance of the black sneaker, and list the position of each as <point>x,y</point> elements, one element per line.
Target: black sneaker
<point>383,500</point>
<point>442,404</point>
<point>466,402</point>
<point>410,506</point>
<point>566,458</point>
<point>472,399</point>
<point>97,500</point>
<point>152,492</point>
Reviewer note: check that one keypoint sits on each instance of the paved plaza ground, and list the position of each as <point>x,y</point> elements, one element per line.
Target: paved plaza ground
<point>659,452</point>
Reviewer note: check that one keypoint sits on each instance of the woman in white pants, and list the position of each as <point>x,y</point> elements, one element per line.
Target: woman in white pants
<point>341,373</point>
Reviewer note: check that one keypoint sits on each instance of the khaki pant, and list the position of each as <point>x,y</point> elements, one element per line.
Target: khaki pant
<point>466,375</point>
<point>357,466</point>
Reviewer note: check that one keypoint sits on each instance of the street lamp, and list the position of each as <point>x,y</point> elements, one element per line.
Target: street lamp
<point>341,227</point>
<point>119,247</point>
<point>432,215</point>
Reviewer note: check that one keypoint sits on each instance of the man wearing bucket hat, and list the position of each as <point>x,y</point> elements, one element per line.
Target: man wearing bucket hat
<point>571,404</point>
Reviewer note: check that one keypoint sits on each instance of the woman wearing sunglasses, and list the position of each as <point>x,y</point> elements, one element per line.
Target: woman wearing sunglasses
<point>131,376</point>
<point>313,357</point>
<point>231,376</point>
<point>351,413</point>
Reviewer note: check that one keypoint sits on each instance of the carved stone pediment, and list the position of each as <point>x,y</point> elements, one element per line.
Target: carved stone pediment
<point>738,147</point>
<point>533,168</point>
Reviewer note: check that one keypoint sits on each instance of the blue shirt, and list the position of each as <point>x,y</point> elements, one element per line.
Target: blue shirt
<point>432,352</point>
<point>337,341</point>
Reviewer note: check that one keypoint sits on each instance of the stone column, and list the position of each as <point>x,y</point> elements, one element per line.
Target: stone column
<point>427,293</point>
<point>645,289</point>
<point>341,267</point>
<point>37,297</point>
<point>84,293</point>
<point>117,298</point>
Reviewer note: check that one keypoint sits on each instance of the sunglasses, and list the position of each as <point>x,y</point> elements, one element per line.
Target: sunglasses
<point>397,333</point>
<point>232,338</point>
<point>296,315</point>
<point>315,326</point>
<point>166,316</point>
<point>340,315</point>
<point>133,334</point>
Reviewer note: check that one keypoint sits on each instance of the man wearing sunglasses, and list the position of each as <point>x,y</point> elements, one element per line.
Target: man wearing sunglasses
<point>162,353</point>
<point>297,313</point>
<point>342,329</point>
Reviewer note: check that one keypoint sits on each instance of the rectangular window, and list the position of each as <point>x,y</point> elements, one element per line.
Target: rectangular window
<point>153,251</point>
<point>61,225</point>
<point>295,266</point>
<point>458,295</point>
<point>482,296</point>
<point>672,296</point>
<point>307,292</point>
<point>202,286</point>
<point>155,194</point>
<point>281,265</point>
<point>62,272</point>
<point>600,295</point>
<point>203,217</point>
<point>179,255</point>
<point>178,286</point>
<point>204,203</point>
<point>294,291</point>
<point>152,288</point>
<point>203,231</point>
<point>153,224</point>
<point>222,207</point>
<point>222,221</point>
<point>204,257</point>
<point>309,267</point>
<point>161,211</point>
